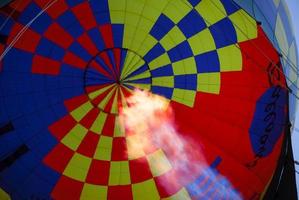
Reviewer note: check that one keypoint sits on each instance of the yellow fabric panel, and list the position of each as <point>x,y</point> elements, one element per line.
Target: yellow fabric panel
<point>145,74</point>
<point>78,167</point>
<point>117,8</point>
<point>131,42</point>
<point>118,129</point>
<point>293,58</point>
<point>98,123</point>
<point>135,64</point>
<point>91,192</point>
<point>119,173</point>
<point>4,195</point>
<point>81,111</point>
<point>147,44</point>
<point>96,93</point>
<point>128,37</point>
<point>180,195</point>
<point>158,163</point>
<point>185,97</point>
<point>276,2</point>
<point>117,5</point>
<point>177,10</point>
<point>281,35</point>
<point>133,6</point>
<point>107,98</point>
<point>202,42</point>
<point>159,61</point>
<point>172,38</point>
<point>129,64</point>
<point>164,81</point>
<point>185,66</point>
<point>230,58</point>
<point>288,13</point>
<point>245,25</point>
<point>145,190</point>
<point>117,17</point>
<point>74,138</point>
<point>208,82</point>
<point>132,21</point>
<point>159,5</point>
<point>211,11</point>
<point>114,108</point>
<point>141,38</point>
<point>104,148</point>
<point>143,41</point>
<point>139,20</point>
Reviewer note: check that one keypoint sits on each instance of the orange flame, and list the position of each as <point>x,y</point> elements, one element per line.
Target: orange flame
<point>149,123</point>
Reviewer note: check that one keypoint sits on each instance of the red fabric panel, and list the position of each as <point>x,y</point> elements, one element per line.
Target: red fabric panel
<point>43,65</point>
<point>67,188</point>
<point>74,60</point>
<point>120,192</point>
<point>139,170</point>
<point>89,144</point>
<point>84,15</point>
<point>108,128</point>
<point>55,10</point>
<point>27,41</point>
<point>99,172</point>
<point>61,127</point>
<point>75,102</point>
<point>119,149</point>
<point>58,35</point>
<point>106,31</point>
<point>87,43</point>
<point>59,157</point>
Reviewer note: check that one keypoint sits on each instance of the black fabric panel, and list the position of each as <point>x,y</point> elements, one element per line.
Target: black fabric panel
<point>287,186</point>
<point>283,184</point>
<point>6,128</point>
<point>9,160</point>
<point>3,39</point>
<point>4,2</point>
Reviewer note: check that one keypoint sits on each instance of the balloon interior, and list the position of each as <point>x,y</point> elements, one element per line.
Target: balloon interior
<point>144,99</point>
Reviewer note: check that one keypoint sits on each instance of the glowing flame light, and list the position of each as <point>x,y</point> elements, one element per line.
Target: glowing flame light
<point>149,123</point>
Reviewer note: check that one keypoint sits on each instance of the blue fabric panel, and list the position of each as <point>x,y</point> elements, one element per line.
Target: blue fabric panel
<point>162,26</point>
<point>138,71</point>
<point>162,71</point>
<point>268,121</point>
<point>73,3</point>
<point>191,24</point>
<point>230,6</point>
<point>141,81</point>
<point>155,52</point>
<point>41,23</point>
<point>180,52</point>
<point>69,22</point>
<point>163,91</point>
<point>194,2</point>
<point>101,11</point>
<point>207,62</point>
<point>118,32</point>
<point>49,49</point>
<point>224,33</point>
<point>188,82</point>
<point>79,51</point>
<point>98,41</point>
<point>17,61</point>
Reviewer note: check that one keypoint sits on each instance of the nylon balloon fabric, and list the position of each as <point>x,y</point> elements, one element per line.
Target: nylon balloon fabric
<point>137,99</point>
